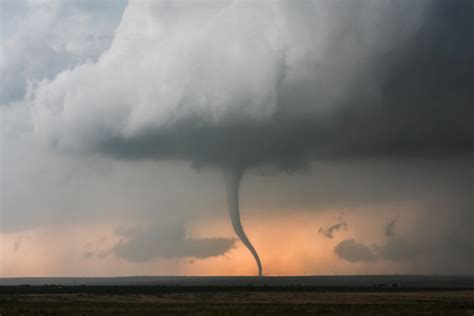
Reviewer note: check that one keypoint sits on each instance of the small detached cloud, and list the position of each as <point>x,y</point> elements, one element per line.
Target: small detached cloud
<point>353,251</point>
<point>139,244</point>
<point>395,247</point>
<point>329,231</point>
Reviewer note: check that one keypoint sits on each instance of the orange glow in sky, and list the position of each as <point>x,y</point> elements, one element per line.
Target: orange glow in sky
<point>287,244</point>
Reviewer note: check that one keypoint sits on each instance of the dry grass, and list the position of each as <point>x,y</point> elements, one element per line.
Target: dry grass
<point>243,303</point>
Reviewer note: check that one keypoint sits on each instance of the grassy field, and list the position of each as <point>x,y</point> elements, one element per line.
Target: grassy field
<point>240,302</point>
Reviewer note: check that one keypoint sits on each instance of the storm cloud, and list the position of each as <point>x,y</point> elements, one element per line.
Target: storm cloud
<point>275,83</point>
<point>372,99</point>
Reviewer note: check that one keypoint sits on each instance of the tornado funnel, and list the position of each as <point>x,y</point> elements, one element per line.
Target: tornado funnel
<point>232,178</point>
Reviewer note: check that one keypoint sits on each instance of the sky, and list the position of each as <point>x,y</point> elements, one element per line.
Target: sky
<point>132,130</point>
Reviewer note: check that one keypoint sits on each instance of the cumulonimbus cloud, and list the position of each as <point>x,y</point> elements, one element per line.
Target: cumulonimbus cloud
<point>277,82</point>
<point>239,84</point>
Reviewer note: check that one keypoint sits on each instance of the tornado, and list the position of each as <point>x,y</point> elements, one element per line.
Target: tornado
<point>232,176</point>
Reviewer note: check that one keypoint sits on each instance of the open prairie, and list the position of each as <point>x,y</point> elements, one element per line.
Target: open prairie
<point>232,300</point>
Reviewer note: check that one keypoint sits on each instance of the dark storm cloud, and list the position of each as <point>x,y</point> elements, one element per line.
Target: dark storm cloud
<point>412,98</point>
<point>167,242</point>
<point>380,90</point>
<point>283,83</point>
<point>425,104</point>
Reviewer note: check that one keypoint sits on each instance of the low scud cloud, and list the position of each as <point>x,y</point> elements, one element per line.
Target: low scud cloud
<point>329,231</point>
<point>139,244</point>
<point>237,86</point>
<point>395,248</point>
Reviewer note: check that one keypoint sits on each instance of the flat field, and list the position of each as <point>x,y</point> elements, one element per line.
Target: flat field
<point>233,301</point>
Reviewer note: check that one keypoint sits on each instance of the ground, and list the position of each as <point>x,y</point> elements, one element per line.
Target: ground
<point>232,301</point>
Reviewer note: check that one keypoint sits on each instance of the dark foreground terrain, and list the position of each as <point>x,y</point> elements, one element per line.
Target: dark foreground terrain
<point>242,302</point>
<point>270,297</point>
